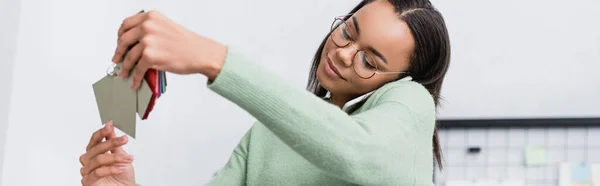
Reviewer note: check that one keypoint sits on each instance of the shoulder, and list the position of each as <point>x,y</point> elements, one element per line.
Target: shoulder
<point>410,94</point>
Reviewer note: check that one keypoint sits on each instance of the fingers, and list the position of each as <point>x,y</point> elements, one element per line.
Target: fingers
<point>125,42</point>
<point>131,59</point>
<point>139,73</point>
<point>135,38</point>
<point>95,139</point>
<point>100,134</point>
<point>128,24</point>
<point>131,22</point>
<point>105,160</point>
<point>116,150</point>
<point>145,63</point>
<point>101,172</point>
<point>102,148</point>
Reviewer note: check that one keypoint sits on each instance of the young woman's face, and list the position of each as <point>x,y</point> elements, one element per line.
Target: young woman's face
<point>385,43</point>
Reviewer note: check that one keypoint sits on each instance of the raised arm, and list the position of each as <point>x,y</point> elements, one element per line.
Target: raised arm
<point>379,146</point>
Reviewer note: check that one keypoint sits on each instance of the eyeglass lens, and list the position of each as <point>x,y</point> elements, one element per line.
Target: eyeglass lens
<point>342,36</point>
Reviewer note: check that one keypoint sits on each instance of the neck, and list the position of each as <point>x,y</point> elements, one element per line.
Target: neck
<point>338,100</point>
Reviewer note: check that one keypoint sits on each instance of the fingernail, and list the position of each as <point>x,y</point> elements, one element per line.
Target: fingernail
<point>107,127</point>
<point>123,167</point>
<point>141,11</point>
<point>135,86</point>
<point>114,58</point>
<point>129,158</point>
<point>122,138</point>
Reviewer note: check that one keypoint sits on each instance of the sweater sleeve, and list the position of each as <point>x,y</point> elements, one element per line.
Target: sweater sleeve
<point>375,147</point>
<point>234,172</point>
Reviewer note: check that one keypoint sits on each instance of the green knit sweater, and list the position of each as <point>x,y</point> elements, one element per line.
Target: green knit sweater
<point>299,139</point>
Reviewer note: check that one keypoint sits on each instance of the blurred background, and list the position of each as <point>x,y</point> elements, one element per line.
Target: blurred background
<point>520,106</point>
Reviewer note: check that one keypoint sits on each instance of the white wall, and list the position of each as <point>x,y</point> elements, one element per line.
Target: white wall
<point>9,19</point>
<point>64,46</point>
<point>515,58</point>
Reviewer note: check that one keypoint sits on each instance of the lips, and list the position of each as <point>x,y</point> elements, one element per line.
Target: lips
<point>334,68</point>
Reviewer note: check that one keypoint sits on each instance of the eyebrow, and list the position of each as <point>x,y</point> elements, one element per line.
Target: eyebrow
<point>377,53</point>
<point>356,25</point>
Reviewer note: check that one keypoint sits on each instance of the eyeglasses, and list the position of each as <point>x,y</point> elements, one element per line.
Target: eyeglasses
<point>363,63</point>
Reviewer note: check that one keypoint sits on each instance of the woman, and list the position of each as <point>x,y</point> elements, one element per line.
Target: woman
<point>392,53</point>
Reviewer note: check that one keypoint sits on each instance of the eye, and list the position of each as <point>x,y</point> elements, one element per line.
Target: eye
<point>367,61</point>
<point>345,33</point>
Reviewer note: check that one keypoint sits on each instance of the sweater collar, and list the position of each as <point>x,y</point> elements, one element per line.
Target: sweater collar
<point>364,96</point>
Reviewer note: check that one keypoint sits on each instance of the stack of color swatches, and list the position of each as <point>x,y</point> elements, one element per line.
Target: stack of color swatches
<point>157,81</point>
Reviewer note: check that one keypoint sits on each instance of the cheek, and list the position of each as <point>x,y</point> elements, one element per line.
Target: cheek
<point>319,71</point>
<point>322,76</point>
<point>321,68</point>
<point>329,47</point>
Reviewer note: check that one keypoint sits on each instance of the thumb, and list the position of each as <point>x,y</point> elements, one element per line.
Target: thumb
<point>119,149</point>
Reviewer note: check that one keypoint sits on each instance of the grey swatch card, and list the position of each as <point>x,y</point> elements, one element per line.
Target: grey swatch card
<point>104,97</point>
<point>118,103</point>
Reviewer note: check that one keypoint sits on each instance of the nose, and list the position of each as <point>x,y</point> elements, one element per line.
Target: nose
<point>346,54</point>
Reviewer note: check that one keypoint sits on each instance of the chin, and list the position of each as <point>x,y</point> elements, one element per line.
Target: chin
<point>323,79</point>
